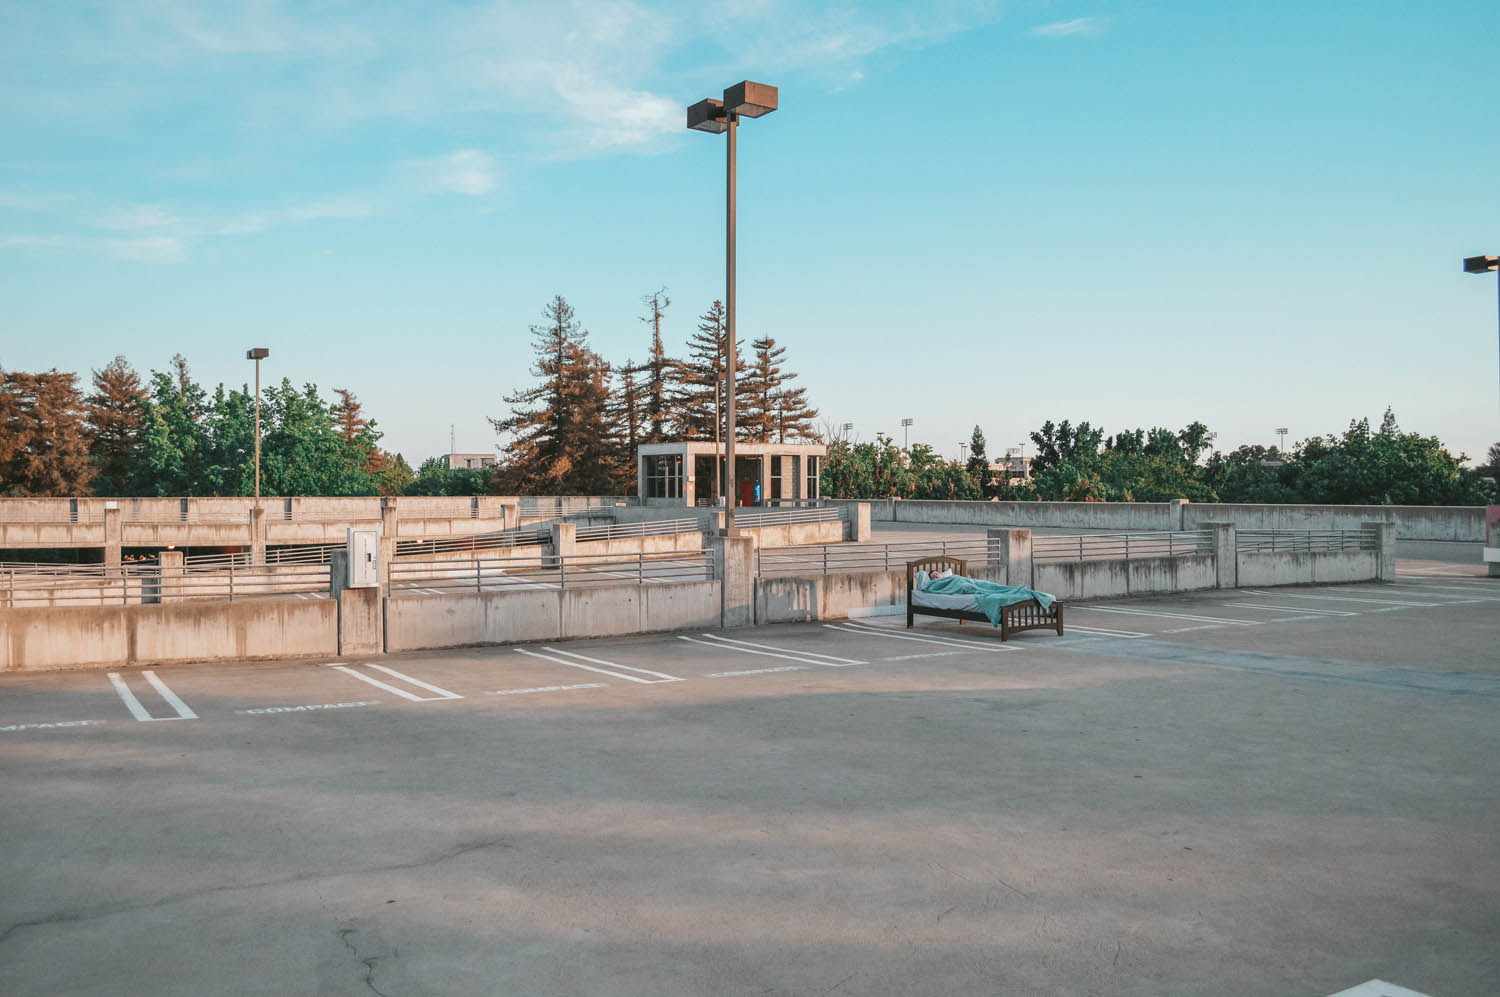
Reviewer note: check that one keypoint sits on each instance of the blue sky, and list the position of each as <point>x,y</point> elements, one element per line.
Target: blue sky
<point>1134,213</point>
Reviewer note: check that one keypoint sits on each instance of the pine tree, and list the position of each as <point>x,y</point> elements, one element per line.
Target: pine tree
<point>774,411</point>
<point>661,372</point>
<point>46,428</point>
<point>560,442</point>
<point>698,404</point>
<point>114,417</point>
<point>625,416</point>
<point>978,464</point>
<point>349,415</point>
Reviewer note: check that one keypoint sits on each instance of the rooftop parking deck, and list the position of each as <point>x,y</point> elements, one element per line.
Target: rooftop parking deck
<point>1247,792</point>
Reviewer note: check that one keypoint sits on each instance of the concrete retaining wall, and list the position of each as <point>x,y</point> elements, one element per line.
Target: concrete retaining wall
<point>1138,576</point>
<point>828,597</point>
<point>126,636</point>
<point>1306,568</point>
<point>1413,522</point>
<point>417,623</point>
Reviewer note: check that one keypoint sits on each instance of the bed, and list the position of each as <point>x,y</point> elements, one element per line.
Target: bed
<point>1014,618</point>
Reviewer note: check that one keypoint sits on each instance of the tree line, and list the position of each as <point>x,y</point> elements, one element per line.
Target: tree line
<point>574,431</point>
<point>1079,463</point>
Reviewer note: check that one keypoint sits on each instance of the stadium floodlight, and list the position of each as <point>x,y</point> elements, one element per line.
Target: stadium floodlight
<point>1482,264</point>
<point>257,354</point>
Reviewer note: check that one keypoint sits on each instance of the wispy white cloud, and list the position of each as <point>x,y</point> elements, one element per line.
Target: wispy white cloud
<point>255,222</point>
<point>472,172</point>
<point>147,249</point>
<point>1076,26</point>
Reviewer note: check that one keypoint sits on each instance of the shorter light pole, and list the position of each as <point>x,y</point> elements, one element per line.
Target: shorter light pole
<point>1483,264</point>
<point>1281,432</point>
<point>963,453</point>
<point>848,427</point>
<point>257,354</point>
<point>905,434</point>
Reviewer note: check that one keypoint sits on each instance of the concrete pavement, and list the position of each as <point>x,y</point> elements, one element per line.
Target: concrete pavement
<point>1286,791</point>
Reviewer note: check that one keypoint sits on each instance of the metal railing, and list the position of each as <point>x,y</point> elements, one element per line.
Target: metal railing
<point>526,536</point>
<point>1120,546</point>
<point>650,528</point>
<point>548,505</point>
<point>781,517</point>
<point>418,578</point>
<point>1305,541</point>
<point>821,559</point>
<point>293,554</point>
<point>39,585</point>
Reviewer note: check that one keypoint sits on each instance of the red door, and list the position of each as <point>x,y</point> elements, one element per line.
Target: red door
<point>747,493</point>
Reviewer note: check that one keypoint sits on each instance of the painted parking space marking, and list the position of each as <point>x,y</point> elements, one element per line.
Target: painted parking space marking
<point>1105,632</point>
<point>763,654</point>
<point>656,676</point>
<point>941,641</point>
<point>51,725</point>
<point>924,654</point>
<point>1397,603</point>
<point>396,690</point>
<point>1166,616</point>
<point>1316,611</point>
<point>757,671</point>
<point>260,711</point>
<point>1378,988</point>
<point>772,647</point>
<point>555,659</point>
<point>549,688</point>
<point>138,710</point>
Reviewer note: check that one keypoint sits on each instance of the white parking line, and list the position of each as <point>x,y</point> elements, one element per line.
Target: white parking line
<point>170,697</point>
<point>757,671</point>
<point>131,703</point>
<point>9,728</point>
<point>764,654</point>
<point>1166,616</point>
<point>308,708</point>
<point>1399,603</point>
<point>442,693</point>
<point>924,654</point>
<point>1293,609</point>
<point>771,647</point>
<point>660,676</point>
<point>1104,632</point>
<point>549,688</point>
<point>968,645</point>
<point>590,668</point>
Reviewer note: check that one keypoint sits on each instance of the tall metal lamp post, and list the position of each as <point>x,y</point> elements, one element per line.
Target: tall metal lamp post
<point>258,354</point>
<point>743,100</point>
<point>1281,432</point>
<point>905,434</point>
<point>1483,264</point>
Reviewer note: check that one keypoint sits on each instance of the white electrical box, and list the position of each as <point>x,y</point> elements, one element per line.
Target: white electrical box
<point>364,559</point>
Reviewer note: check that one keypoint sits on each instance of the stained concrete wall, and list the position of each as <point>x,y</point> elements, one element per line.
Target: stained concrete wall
<point>828,597</point>
<point>1119,577</point>
<point>125,636</point>
<point>1413,522</point>
<point>416,623</point>
<point>1264,568</point>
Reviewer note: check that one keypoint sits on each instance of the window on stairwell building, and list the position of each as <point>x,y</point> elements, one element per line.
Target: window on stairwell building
<point>664,476</point>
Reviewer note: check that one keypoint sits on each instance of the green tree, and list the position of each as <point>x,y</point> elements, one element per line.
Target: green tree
<point>660,374</point>
<point>699,400</point>
<point>978,464</point>
<point>114,422</point>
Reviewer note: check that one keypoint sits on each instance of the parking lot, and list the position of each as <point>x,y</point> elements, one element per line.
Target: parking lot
<point>1285,791</point>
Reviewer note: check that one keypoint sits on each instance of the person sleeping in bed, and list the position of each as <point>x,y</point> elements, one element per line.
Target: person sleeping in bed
<point>991,597</point>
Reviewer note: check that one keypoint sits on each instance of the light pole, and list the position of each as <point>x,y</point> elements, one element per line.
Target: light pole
<point>257,354</point>
<point>1281,431</point>
<point>748,100</point>
<point>963,453</point>
<point>718,425</point>
<point>1483,264</point>
<point>905,438</point>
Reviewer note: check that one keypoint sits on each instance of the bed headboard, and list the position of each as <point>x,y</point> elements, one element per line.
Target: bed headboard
<point>939,562</point>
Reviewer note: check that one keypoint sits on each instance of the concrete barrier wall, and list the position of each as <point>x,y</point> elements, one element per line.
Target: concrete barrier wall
<point>1413,522</point>
<point>828,597</point>
<point>126,636</point>
<point>1105,579</point>
<point>417,623</point>
<point>1264,568</point>
<point>796,534</point>
<point>659,543</point>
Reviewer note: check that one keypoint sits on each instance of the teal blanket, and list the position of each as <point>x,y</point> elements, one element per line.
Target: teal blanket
<point>992,598</point>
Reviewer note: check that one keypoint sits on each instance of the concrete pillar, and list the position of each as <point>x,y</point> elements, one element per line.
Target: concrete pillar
<point>765,480</point>
<point>1492,539</point>
<point>1385,564</point>
<point>112,536</point>
<point>169,567</point>
<point>734,567</point>
<point>1178,515</point>
<point>857,522</point>
<point>1010,556</point>
<point>258,536</point>
<point>564,539</point>
<point>1226,554</point>
<point>361,611</point>
<point>390,527</point>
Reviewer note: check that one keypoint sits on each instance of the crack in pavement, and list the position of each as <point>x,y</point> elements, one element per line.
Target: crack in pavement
<point>71,917</point>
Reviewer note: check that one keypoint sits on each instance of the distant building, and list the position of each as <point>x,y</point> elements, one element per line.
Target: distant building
<point>470,461</point>
<point>767,474</point>
<point>1012,467</point>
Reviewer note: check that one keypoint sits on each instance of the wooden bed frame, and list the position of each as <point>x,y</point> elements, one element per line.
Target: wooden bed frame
<point>1028,615</point>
